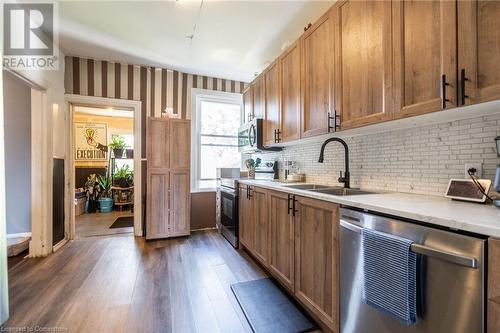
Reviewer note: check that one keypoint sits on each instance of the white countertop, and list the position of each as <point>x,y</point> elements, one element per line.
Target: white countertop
<point>472,217</point>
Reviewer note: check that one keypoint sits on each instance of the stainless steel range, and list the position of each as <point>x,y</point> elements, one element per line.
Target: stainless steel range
<point>227,204</point>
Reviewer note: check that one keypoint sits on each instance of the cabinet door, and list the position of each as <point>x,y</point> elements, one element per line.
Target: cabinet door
<point>363,62</point>
<point>261,218</point>
<point>281,261</point>
<point>424,39</point>
<point>272,103</point>
<point>258,97</point>
<point>245,218</point>
<point>479,51</point>
<point>158,219</point>
<point>179,192</point>
<point>317,261</point>
<point>158,131</point>
<point>248,104</point>
<point>317,74</point>
<point>180,144</point>
<point>290,93</point>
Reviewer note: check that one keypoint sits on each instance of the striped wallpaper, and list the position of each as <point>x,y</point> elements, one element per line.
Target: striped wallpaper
<point>158,89</point>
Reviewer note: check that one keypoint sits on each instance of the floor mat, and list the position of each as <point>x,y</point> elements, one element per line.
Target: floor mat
<point>268,309</point>
<point>123,222</point>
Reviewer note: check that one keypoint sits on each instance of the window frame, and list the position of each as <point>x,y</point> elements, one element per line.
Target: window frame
<point>197,97</point>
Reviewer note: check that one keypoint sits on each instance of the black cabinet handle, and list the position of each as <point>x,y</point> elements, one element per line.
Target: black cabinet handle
<point>249,192</point>
<point>444,84</point>
<point>463,78</point>
<point>278,133</point>
<point>293,206</point>
<point>289,202</point>
<point>336,122</point>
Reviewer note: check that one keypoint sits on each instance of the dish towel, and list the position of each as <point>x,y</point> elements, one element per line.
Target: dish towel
<point>390,270</point>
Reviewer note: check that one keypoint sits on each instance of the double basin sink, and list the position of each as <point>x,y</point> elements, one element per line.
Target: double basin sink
<point>330,190</point>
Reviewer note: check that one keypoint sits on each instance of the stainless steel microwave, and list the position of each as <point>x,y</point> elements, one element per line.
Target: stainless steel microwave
<point>251,137</point>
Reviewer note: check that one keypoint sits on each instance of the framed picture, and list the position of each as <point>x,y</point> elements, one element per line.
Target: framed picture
<point>91,141</point>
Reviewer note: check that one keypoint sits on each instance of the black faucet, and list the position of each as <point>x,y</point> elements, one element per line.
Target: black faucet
<point>346,178</point>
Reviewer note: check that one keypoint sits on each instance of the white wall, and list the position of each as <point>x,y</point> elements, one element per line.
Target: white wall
<point>53,83</point>
<point>420,160</point>
<point>17,119</point>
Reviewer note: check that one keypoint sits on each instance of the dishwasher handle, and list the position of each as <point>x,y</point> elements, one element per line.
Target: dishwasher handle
<point>420,249</point>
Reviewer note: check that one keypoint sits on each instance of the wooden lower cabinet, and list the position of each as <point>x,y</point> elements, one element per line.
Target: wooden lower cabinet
<point>261,225</point>
<point>282,258</point>
<point>300,251</point>
<point>246,217</point>
<point>317,259</point>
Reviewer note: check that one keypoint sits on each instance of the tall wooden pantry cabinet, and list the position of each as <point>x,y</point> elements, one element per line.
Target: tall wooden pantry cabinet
<point>168,178</point>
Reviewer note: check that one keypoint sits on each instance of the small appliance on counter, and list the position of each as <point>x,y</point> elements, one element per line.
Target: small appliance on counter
<point>267,171</point>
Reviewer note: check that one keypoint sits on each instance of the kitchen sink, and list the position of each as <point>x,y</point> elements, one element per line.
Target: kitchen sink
<point>309,187</point>
<point>340,191</point>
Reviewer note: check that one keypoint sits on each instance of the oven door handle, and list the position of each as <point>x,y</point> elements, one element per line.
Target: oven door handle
<point>420,249</point>
<point>228,191</point>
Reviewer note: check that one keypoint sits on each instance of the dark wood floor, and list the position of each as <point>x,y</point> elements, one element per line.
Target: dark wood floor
<point>124,284</point>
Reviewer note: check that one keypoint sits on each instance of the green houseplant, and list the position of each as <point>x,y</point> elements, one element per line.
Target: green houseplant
<point>105,200</point>
<point>124,176</point>
<point>118,145</point>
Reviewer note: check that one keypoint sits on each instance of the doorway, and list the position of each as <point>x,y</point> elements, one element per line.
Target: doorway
<point>105,166</point>
<point>104,171</point>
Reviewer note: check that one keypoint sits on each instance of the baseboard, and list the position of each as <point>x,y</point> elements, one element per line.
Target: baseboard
<point>19,235</point>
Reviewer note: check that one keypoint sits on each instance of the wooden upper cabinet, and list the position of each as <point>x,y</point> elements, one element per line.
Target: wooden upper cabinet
<point>317,259</point>
<point>261,225</point>
<point>479,51</point>
<point>424,39</point>
<point>158,131</point>
<point>317,74</point>
<point>290,93</point>
<point>248,104</point>
<point>258,97</point>
<point>272,103</point>
<point>363,62</point>
<point>282,256</point>
<point>180,144</point>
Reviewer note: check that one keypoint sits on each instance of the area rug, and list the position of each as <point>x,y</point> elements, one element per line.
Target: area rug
<point>123,222</point>
<point>268,309</point>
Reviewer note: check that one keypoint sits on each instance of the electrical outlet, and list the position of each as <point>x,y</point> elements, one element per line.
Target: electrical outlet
<point>477,166</point>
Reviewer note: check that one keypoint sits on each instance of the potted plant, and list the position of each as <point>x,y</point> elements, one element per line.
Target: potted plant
<point>91,192</point>
<point>129,153</point>
<point>124,176</point>
<point>105,200</point>
<point>118,145</point>
<point>250,164</point>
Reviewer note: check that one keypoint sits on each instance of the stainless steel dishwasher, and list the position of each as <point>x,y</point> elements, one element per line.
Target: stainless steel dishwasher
<point>450,278</point>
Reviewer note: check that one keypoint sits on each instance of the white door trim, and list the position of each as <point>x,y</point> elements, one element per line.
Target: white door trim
<point>91,101</point>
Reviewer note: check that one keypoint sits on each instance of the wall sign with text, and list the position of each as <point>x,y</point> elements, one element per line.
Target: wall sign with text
<point>91,141</point>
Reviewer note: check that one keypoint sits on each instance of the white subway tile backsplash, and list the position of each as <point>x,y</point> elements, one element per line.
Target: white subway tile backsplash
<point>417,160</point>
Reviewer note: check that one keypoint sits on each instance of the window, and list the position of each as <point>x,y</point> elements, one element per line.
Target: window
<point>129,141</point>
<point>215,123</point>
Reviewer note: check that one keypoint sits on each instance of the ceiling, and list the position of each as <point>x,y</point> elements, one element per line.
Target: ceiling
<point>230,39</point>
